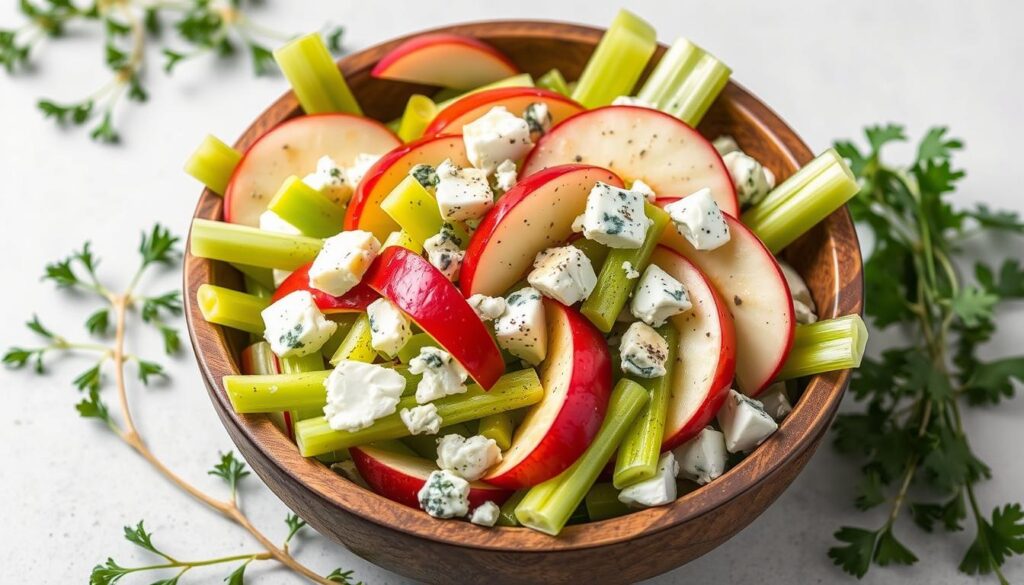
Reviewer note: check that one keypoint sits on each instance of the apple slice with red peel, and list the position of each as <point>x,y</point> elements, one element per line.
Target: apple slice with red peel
<point>400,477</point>
<point>293,148</point>
<point>439,309</point>
<point>354,301</point>
<point>749,280</point>
<point>364,211</point>
<point>534,215</point>
<point>638,143</point>
<point>515,99</point>
<point>445,60</point>
<point>707,352</point>
<point>577,380</point>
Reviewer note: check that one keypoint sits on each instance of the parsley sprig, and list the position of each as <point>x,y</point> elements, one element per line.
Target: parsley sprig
<point>910,439</point>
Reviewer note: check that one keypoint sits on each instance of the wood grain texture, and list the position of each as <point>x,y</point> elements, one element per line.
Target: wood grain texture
<point>411,543</point>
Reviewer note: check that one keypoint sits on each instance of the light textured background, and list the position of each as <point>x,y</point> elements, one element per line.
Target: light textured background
<point>828,67</point>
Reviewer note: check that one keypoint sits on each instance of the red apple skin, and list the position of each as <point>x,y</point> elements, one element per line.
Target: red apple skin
<point>354,301</point>
<point>584,402</point>
<point>451,119</point>
<point>381,471</point>
<point>387,66</point>
<point>436,306</point>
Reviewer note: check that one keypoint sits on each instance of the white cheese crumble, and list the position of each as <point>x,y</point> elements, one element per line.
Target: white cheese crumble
<point>644,189</point>
<point>444,495</point>
<point>342,261</point>
<point>359,393</point>
<point>752,181</point>
<point>703,458</point>
<point>522,328</point>
<point>294,325</point>
<point>656,491</point>
<point>444,252</point>
<point>496,136</point>
<point>698,219</point>
<point>725,144</point>
<point>564,274</point>
<point>658,296</point>
<point>389,327</point>
<point>422,419</point>
<point>631,273</point>
<point>486,514</point>
<point>485,307</point>
<point>462,193</point>
<point>643,351</point>
<point>330,180</point>
<point>803,304</point>
<point>744,422</point>
<point>360,166</point>
<point>505,176</point>
<point>775,400</point>
<point>614,217</point>
<point>441,374</point>
<point>425,175</point>
<point>628,100</point>
<point>467,458</point>
<point>538,117</point>
<point>272,222</point>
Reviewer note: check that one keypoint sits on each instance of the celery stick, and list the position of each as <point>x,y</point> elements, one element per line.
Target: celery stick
<point>617,62</point>
<point>257,287</point>
<point>694,97</point>
<point>356,346</point>
<point>259,359</point>
<point>797,181</point>
<point>446,93</point>
<point>507,515</point>
<point>345,322</point>
<point>307,209</point>
<point>402,239</point>
<point>315,77</point>
<point>602,502</point>
<point>419,111</point>
<point>845,327</point>
<point>553,80</point>
<point>334,457</point>
<point>790,210</point>
<point>512,391</point>
<point>231,308</point>
<point>670,72</point>
<point>229,242</point>
<point>412,347</point>
<point>498,427</point>
<point>313,362</point>
<point>596,252</point>
<point>548,506</point>
<point>613,288</point>
<point>637,458</point>
<point>276,392</point>
<point>520,80</point>
<point>213,163</point>
<point>826,346</point>
<point>415,210</point>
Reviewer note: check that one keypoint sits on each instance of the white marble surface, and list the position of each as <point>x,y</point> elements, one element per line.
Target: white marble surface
<point>828,67</point>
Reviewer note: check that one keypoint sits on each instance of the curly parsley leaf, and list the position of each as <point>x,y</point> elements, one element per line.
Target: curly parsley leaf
<point>230,469</point>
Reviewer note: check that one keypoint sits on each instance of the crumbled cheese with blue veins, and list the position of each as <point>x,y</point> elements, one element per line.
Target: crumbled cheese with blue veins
<point>744,422</point>
<point>522,328</point>
<point>698,219</point>
<point>330,180</point>
<point>496,136</point>
<point>425,175</point>
<point>486,514</point>
<point>444,495</point>
<point>294,325</point>
<point>564,274</point>
<point>342,261</point>
<point>752,181</point>
<point>644,189</point>
<point>615,217</point>
<point>444,252</point>
<point>804,308</point>
<point>643,351</point>
<point>462,193</point>
<point>422,419</point>
<point>441,374</point>
<point>627,100</point>
<point>775,400</point>
<point>703,458</point>
<point>467,458</point>
<point>658,296</point>
<point>485,307</point>
<point>631,273</point>
<point>538,117</point>
<point>505,176</point>
<point>725,144</point>
<point>656,491</point>
<point>390,329</point>
<point>359,168</point>
<point>359,393</point>
<point>272,222</point>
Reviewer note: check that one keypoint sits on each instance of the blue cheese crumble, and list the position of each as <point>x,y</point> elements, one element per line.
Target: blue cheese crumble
<point>462,193</point>
<point>656,491</point>
<point>522,329</point>
<point>342,261</point>
<point>444,495</point>
<point>390,329</point>
<point>614,217</point>
<point>744,423</point>
<point>658,296</point>
<point>441,374</point>
<point>564,274</point>
<point>359,393</point>
<point>494,137</point>
<point>422,419</point>
<point>698,219</point>
<point>467,458</point>
<point>643,351</point>
<point>703,458</point>
<point>294,325</point>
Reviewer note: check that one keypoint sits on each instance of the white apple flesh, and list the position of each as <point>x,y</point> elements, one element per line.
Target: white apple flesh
<point>445,60</point>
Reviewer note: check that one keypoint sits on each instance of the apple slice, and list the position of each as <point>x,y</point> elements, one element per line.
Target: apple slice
<point>293,149</point>
<point>707,352</point>
<point>534,215</point>
<point>364,212</point>
<point>400,477</point>
<point>638,143</point>
<point>750,282</point>
<point>354,301</point>
<point>445,60</point>
<point>439,309</point>
<point>515,99</point>
<point>577,380</point>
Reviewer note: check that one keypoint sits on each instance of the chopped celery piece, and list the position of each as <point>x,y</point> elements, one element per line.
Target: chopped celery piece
<point>307,209</point>
<point>345,322</point>
<point>402,239</point>
<point>315,77</point>
<point>612,291</point>
<point>334,457</point>
<point>507,515</point>
<point>240,244</point>
<point>548,506</point>
<point>670,72</point>
<point>412,347</point>
<point>212,163</point>
<point>395,447</point>
<point>357,344</point>
<point>258,281</point>
<point>419,111</point>
<point>826,346</point>
<point>415,210</point>
<point>498,427</point>
<point>553,80</point>
<point>637,458</point>
<point>231,308</point>
<point>596,252</point>
<point>617,62</point>
<point>602,502</point>
<point>258,358</point>
<point>694,97</point>
<point>802,201</point>
<point>426,445</point>
<point>515,390</point>
<point>313,362</point>
<point>520,80</point>
<point>276,392</point>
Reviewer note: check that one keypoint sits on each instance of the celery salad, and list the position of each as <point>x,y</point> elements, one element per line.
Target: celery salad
<point>525,302</point>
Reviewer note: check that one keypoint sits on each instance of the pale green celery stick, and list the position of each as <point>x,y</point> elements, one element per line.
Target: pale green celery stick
<point>426,445</point>
<point>617,62</point>
<point>256,286</point>
<point>357,345</point>
<point>613,288</point>
<point>694,97</point>
<point>602,502</point>
<point>315,77</point>
<point>548,506</point>
<point>259,359</point>
<point>419,111</point>
<point>596,252</point>
<point>498,427</point>
<point>412,347</point>
<point>670,72</point>
<point>826,346</point>
<point>313,362</point>
<point>307,209</point>
<point>404,240</point>
<point>345,322</point>
<point>229,242</point>
<point>507,515</point>
<point>512,391</point>
<point>334,457</point>
<point>395,447</point>
<point>637,458</point>
<point>797,181</point>
<point>277,392</point>
<point>793,212</point>
<point>553,80</point>
<point>411,380</point>
<point>212,163</point>
<point>415,210</point>
<point>520,80</point>
<point>231,308</point>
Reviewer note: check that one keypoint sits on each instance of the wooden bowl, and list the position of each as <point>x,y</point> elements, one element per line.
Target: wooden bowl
<point>625,549</point>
